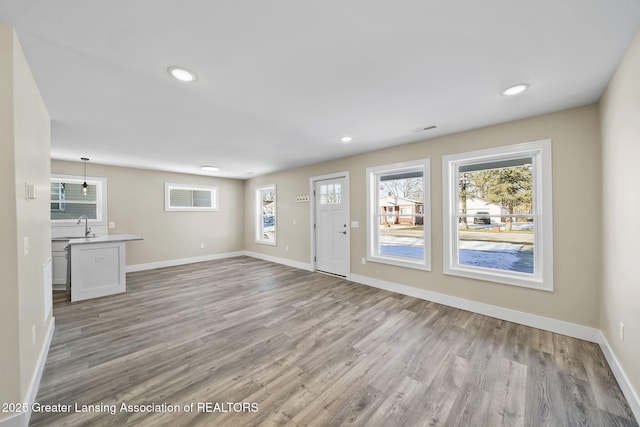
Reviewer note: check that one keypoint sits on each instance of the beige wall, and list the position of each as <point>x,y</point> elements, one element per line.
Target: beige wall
<point>32,147</point>
<point>24,154</point>
<point>575,136</point>
<point>620,293</point>
<point>9,334</point>
<point>136,205</point>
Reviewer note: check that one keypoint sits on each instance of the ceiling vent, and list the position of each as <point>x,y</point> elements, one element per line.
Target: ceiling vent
<point>422,129</point>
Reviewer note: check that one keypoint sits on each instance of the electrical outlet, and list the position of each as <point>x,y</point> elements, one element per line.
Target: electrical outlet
<point>621,331</point>
<point>26,245</point>
<point>363,261</point>
<point>286,248</point>
<point>112,225</point>
<point>201,245</point>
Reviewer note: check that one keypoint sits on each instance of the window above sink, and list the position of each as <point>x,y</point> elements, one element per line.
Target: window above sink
<point>68,202</point>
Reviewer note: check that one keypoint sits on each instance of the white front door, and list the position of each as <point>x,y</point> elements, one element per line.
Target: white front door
<point>331,226</point>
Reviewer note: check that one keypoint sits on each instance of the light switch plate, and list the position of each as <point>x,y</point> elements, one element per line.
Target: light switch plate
<point>30,191</point>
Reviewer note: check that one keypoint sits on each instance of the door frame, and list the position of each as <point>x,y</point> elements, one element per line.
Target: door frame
<point>312,182</point>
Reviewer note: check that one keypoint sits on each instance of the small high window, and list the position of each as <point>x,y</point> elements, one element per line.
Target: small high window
<point>179,197</point>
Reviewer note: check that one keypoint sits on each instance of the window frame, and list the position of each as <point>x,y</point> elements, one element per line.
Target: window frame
<point>101,197</point>
<point>61,200</point>
<point>373,214</point>
<point>259,219</point>
<point>172,186</point>
<point>542,213</point>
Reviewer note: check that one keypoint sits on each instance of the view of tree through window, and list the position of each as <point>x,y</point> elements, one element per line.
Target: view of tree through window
<point>496,221</point>
<point>398,204</point>
<point>498,214</point>
<point>401,208</point>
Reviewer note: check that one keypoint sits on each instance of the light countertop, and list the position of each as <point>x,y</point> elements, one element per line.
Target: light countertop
<point>102,239</point>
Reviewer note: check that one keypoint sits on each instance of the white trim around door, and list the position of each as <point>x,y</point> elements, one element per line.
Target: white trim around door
<point>312,184</point>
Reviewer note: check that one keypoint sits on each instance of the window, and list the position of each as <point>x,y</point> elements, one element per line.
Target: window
<point>58,197</point>
<point>331,194</point>
<point>68,202</point>
<point>179,197</point>
<point>266,214</point>
<point>398,208</point>
<point>498,215</point>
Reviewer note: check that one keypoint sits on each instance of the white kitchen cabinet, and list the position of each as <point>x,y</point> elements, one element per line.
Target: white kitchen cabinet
<point>98,266</point>
<point>59,262</point>
<point>97,270</point>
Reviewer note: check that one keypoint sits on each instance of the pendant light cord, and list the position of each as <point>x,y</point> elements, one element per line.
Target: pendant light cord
<point>85,187</point>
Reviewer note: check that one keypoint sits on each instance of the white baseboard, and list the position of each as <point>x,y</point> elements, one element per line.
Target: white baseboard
<point>22,420</point>
<point>623,380</point>
<point>277,260</point>
<point>553,325</point>
<point>34,384</point>
<point>181,261</point>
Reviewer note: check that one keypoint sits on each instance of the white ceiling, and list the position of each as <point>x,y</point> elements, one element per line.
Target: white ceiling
<point>279,82</point>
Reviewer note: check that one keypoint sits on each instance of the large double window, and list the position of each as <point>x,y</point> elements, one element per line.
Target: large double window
<point>398,204</point>
<point>498,215</point>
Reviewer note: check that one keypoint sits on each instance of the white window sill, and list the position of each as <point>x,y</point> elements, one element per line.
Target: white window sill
<point>495,276</point>
<point>400,262</point>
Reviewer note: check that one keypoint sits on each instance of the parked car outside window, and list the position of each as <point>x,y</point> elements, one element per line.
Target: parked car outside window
<point>482,218</point>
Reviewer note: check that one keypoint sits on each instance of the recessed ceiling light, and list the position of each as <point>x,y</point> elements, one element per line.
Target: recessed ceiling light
<point>182,74</point>
<point>515,90</point>
<point>209,168</point>
<point>346,139</point>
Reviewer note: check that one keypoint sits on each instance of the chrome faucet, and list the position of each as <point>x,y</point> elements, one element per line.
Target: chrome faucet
<point>87,229</point>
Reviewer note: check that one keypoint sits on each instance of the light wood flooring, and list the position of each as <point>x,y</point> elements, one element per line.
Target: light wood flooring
<point>311,349</point>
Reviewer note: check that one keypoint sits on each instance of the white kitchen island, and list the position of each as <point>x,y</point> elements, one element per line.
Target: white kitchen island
<point>98,265</point>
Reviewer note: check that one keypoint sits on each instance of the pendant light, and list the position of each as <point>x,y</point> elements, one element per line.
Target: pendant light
<point>85,187</point>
